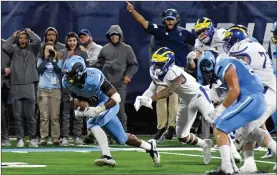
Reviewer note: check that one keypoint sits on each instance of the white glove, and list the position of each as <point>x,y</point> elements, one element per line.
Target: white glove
<point>92,112</point>
<point>191,56</point>
<point>78,113</point>
<point>143,101</point>
<point>217,112</point>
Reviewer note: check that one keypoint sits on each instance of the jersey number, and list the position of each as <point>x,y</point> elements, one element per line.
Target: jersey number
<point>263,54</point>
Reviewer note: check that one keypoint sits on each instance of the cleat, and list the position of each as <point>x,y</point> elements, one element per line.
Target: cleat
<point>160,136</point>
<point>274,168</point>
<point>105,161</point>
<point>218,172</point>
<point>268,155</point>
<point>207,151</point>
<point>169,133</point>
<point>154,152</point>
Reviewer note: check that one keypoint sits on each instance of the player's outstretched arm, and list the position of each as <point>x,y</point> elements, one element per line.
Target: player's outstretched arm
<point>176,83</point>
<point>231,78</point>
<point>136,15</point>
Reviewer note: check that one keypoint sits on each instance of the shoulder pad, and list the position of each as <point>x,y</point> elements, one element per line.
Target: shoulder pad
<point>94,77</point>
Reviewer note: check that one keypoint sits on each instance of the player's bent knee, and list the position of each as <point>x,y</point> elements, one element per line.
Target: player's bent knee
<point>257,135</point>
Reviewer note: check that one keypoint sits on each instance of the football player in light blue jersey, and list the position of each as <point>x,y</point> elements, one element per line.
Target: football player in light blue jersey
<point>90,85</point>
<point>243,104</point>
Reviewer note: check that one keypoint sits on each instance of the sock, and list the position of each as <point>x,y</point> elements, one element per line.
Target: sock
<point>145,145</point>
<point>272,145</point>
<point>249,156</point>
<point>102,140</point>
<point>225,155</point>
<point>200,143</point>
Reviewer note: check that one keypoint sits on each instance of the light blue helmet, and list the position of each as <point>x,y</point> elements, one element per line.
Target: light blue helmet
<point>206,66</point>
<point>73,69</point>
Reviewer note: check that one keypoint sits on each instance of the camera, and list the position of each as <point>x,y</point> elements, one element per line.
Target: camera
<point>52,54</point>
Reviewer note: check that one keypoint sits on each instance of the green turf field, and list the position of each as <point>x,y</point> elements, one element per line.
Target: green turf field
<point>80,160</point>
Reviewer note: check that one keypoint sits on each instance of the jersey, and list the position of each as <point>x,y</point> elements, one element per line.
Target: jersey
<point>176,39</point>
<point>259,60</point>
<point>92,86</point>
<point>248,81</point>
<point>188,88</point>
<point>216,43</point>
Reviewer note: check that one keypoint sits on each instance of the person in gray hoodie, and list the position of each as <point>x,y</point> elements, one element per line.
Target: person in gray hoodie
<point>23,76</point>
<point>51,34</point>
<point>118,62</point>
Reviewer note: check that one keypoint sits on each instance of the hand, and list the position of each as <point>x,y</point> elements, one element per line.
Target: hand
<point>78,113</point>
<point>217,112</point>
<point>143,101</point>
<point>27,30</point>
<point>91,112</point>
<point>127,80</point>
<point>130,7</point>
<point>16,33</point>
<point>191,56</point>
<point>7,71</point>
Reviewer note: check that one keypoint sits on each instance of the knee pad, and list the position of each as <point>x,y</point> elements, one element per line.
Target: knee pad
<point>257,135</point>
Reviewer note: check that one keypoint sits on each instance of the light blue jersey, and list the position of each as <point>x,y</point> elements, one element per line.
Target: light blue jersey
<point>92,89</point>
<point>248,81</point>
<point>250,104</point>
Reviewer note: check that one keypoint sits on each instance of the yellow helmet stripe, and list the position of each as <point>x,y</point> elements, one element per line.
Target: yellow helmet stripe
<point>160,58</point>
<point>237,28</point>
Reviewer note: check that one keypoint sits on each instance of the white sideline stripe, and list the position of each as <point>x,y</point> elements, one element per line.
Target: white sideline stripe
<point>82,151</point>
<point>24,166</point>
<point>24,152</point>
<point>13,163</point>
<point>194,155</point>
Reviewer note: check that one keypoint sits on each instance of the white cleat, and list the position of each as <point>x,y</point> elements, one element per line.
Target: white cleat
<point>154,152</point>
<point>105,161</point>
<point>207,151</point>
<point>33,143</point>
<point>274,168</point>
<point>268,155</point>
<point>248,168</point>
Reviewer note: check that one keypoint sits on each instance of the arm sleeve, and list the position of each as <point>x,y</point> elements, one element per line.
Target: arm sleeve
<point>8,45</point>
<point>41,64</point>
<point>151,90</point>
<point>155,29</point>
<point>106,86</point>
<point>132,63</point>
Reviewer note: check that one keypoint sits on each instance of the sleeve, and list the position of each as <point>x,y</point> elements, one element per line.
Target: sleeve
<point>132,63</point>
<point>221,69</point>
<point>151,46</point>
<point>8,45</point>
<point>155,29</point>
<point>173,73</point>
<point>151,90</point>
<point>36,40</point>
<point>57,69</point>
<point>41,65</point>
<point>100,60</point>
<point>190,38</point>
<point>106,86</point>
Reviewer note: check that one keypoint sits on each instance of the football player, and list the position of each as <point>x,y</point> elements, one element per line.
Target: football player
<point>90,85</point>
<point>241,47</point>
<point>243,104</point>
<point>192,97</point>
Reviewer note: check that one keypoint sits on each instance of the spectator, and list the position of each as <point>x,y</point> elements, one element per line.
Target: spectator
<point>171,35</point>
<point>5,88</point>
<point>72,48</point>
<point>51,34</point>
<point>49,93</point>
<point>118,62</point>
<point>89,46</point>
<point>23,78</point>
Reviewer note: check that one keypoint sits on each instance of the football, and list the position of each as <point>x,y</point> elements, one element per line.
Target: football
<point>82,104</point>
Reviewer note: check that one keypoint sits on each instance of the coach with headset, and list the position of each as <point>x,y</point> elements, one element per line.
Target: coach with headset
<point>171,35</point>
